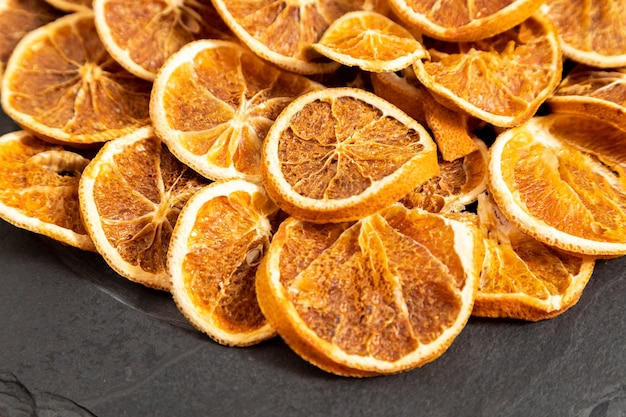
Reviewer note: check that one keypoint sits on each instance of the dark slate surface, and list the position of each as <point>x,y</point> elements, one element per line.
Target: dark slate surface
<point>78,340</point>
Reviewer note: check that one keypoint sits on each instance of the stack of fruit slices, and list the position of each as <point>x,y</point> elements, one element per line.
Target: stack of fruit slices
<point>358,178</point>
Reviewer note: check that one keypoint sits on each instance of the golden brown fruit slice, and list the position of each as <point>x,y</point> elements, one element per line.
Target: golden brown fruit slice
<point>503,79</point>
<point>213,103</point>
<point>17,18</point>
<point>219,240</point>
<point>469,20</point>
<point>592,91</point>
<point>458,184</point>
<point>39,188</point>
<point>142,34</point>
<point>71,5</point>
<point>340,154</point>
<point>130,196</point>
<point>562,180</point>
<point>402,89</point>
<point>282,31</point>
<point>383,295</point>
<point>591,31</point>
<point>521,277</point>
<point>370,41</point>
<point>62,84</point>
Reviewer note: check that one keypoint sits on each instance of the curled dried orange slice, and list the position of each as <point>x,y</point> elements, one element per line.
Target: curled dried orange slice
<point>523,278</point>
<point>71,5</point>
<point>370,41</point>
<point>130,196</point>
<point>339,154</point>
<point>471,20</point>
<point>560,179</point>
<point>385,294</point>
<point>62,84</point>
<point>220,237</point>
<point>39,188</point>
<point>213,103</point>
<point>503,79</point>
<point>402,89</point>
<point>142,34</point>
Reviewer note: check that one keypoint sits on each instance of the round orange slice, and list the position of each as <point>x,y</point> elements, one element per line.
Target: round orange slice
<point>142,34</point>
<point>561,179</point>
<point>62,84</point>
<point>503,79</point>
<point>339,154</point>
<point>282,32</point>
<point>457,21</point>
<point>130,196</point>
<point>213,103</point>
<point>523,278</point>
<point>39,188</point>
<point>385,294</point>
<point>592,91</point>
<point>220,237</point>
<point>370,41</point>
<point>591,31</point>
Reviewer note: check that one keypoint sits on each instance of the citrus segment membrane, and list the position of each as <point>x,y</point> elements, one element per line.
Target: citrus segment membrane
<point>521,277</point>
<point>213,103</point>
<point>371,41</point>
<point>62,84</point>
<point>560,179</point>
<point>142,34</point>
<point>130,196</point>
<point>39,188</point>
<point>501,80</point>
<point>382,295</point>
<point>220,238</point>
<point>342,153</point>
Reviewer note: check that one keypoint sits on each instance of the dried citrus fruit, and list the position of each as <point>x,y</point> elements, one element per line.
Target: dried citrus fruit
<point>71,5</point>
<point>142,34</point>
<point>213,103</point>
<point>503,79</point>
<point>61,84</point>
<point>130,196</point>
<point>17,18</point>
<point>370,41</point>
<point>382,295</point>
<point>591,31</point>
<point>561,179</point>
<point>523,278</point>
<point>592,91</point>
<point>219,240</point>
<point>342,153</point>
<point>402,89</point>
<point>39,188</point>
<point>282,32</point>
<point>458,184</point>
<point>454,20</point>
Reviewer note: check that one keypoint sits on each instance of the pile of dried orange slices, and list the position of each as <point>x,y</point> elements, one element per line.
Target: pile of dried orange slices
<point>357,177</point>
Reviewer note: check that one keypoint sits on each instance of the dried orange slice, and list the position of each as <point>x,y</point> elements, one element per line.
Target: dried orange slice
<point>71,5</point>
<point>503,79</point>
<point>592,91</point>
<point>458,184</point>
<point>402,89</point>
<point>561,179</point>
<point>339,154</point>
<point>282,32</point>
<point>17,18</point>
<point>457,21</point>
<point>213,103</point>
<point>142,34</point>
<point>39,188</point>
<point>219,240</point>
<point>370,41</point>
<point>591,31</point>
<point>130,196</point>
<point>62,84</point>
<point>385,294</point>
<point>523,278</point>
